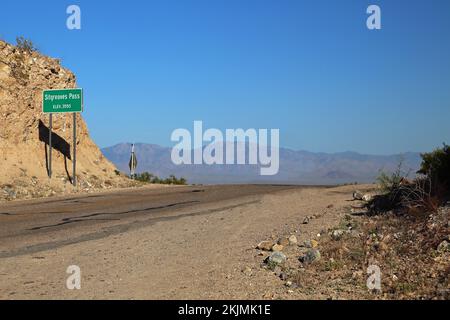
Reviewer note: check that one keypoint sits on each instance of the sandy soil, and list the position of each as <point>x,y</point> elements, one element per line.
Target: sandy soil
<point>198,256</point>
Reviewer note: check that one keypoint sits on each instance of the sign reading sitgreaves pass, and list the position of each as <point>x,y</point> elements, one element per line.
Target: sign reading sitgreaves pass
<point>62,100</point>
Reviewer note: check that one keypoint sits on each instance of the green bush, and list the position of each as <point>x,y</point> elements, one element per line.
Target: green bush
<point>151,178</point>
<point>174,180</point>
<point>436,166</point>
<point>391,181</point>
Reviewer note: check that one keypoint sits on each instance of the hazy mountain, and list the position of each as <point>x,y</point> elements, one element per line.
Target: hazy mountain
<point>296,167</point>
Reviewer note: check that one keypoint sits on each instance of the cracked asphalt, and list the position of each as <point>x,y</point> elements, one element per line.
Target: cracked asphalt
<point>38,225</point>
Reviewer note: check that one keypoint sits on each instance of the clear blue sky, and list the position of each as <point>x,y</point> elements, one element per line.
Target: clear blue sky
<point>310,68</point>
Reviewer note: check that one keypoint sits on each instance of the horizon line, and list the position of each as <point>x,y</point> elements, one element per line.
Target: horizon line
<point>286,148</point>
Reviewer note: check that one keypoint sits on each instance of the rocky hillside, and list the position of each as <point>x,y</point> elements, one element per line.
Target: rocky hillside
<point>24,132</point>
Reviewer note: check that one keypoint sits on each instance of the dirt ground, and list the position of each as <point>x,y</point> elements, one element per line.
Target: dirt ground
<point>205,256</point>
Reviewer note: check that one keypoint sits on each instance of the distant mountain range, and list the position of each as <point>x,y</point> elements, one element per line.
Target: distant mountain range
<point>296,167</point>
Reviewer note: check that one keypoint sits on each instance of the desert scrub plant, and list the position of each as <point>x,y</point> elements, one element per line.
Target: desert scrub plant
<point>427,192</point>
<point>422,195</point>
<point>388,182</point>
<point>416,197</point>
<point>174,180</point>
<point>436,166</point>
<point>145,177</point>
<point>25,45</point>
<point>18,65</point>
<point>148,177</point>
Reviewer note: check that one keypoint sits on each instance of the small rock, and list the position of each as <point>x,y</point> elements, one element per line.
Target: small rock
<point>247,271</point>
<point>367,197</point>
<point>311,256</point>
<point>277,271</point>
<point>293,240</point>
<point>268,296</point>
<point>277,248</point>
<point>283,242</point>
<point>289,284</point>
<point>357,195</point>
<point>306,220</point>
<point>357,274</point>
<point>10,193</point>
<point>311,244</point>
<point>265,245</point>
<point>383,247</point>
<point>262,254</point>
<point>444,246</point>
<point>337,235</point>
<point>394,277</point>
<point>277,258</point>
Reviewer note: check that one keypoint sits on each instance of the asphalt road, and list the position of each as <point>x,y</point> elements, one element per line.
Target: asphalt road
<point>29,227</point>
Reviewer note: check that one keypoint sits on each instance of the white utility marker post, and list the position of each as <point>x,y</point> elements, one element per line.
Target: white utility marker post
<point>133,163</point>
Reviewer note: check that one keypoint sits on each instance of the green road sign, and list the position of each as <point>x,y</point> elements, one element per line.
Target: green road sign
<point>62,101</point>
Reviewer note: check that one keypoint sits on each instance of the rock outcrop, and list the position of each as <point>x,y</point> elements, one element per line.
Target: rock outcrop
<point>24,132</point>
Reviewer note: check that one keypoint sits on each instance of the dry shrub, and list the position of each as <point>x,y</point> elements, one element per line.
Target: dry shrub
<point>418,197</point>
<point>424,194</point>
<point>421,195</point>
<point>25,45</point>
